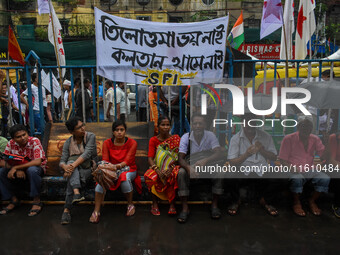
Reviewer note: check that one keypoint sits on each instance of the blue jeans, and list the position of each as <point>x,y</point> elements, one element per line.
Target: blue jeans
<point>126,186</point>
<point>320,182</point>
<point>37,120</point>
<point>33,176</point>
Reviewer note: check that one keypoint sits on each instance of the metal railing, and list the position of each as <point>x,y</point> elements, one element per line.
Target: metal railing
<point>97,82</point>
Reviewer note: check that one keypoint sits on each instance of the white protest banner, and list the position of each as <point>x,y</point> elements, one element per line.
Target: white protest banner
<point>43,7</point>
<point>155,53</point>
<point>46,82</point>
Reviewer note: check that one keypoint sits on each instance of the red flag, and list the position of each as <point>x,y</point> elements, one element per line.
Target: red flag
<point>14,50</point>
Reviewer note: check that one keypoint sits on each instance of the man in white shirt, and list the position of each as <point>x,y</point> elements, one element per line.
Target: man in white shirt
<point>15,104</point>
<point>36,106</point>
<point>250,150</point>
<point>120,101</point>
<point>109,101</point>
<point>67,87</point>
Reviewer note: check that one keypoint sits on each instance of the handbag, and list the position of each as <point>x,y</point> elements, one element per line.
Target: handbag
<point>106,178</point>
<point>164,160</point>
<point>13,159</point>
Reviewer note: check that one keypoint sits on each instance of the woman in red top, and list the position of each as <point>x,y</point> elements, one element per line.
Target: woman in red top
<point>164,189</point>
<point>119,151</point>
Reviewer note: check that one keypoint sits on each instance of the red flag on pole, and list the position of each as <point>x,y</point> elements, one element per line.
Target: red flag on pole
<point>14,50</point>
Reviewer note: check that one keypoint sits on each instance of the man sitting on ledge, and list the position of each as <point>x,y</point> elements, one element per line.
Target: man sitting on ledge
<point>297,152</point>
<point>30,169</point>
<point>199,140</point>
<point>76,160</point>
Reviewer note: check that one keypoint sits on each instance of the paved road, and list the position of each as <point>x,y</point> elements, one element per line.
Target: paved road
<point>250,232</point>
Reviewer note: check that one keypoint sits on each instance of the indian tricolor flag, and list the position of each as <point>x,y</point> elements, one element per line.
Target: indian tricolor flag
<point>236,36</point>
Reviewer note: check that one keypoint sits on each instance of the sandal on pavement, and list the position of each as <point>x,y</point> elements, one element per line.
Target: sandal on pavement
<point>155,211</point>
<point>233,209</point>
<point>183,217</point>
<point>7,210</point>
<point>130,210</point>
<point>172,211</point>
<point>94,217</point>
<point>315,210</point>
<point>35,212</point>
<point>271,210</point>
<point>297,208</point>
<point>215,213</point>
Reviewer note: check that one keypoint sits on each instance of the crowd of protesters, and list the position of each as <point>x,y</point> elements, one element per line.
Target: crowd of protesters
<point>168,177</point>
<point>196,149</point>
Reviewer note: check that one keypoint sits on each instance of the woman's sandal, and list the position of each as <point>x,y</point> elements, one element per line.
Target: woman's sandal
<point>94,217</point>
<point>155,211</point>
<point>271,210</point>
<point>172,211</point>
<point>35,212</point>
<point>130,210</point>
<point>233,209</point>
<point>6,210</point>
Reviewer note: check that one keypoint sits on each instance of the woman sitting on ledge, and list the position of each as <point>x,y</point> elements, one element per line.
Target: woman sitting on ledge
<point>164,188</point>
<point>119,151</point>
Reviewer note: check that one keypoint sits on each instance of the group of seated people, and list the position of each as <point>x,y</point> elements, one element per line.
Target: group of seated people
<point>173,162</point>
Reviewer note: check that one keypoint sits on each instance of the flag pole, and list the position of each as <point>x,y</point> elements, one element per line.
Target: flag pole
<point>286,52</point>
<point>57,57</point>
<point>8,88</point>
<point>226,52</point>
<point>310,52</point>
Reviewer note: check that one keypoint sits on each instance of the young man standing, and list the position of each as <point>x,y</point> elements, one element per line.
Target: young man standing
<point>121,99</point>
<point>109,101</point>
<point>36,106</point>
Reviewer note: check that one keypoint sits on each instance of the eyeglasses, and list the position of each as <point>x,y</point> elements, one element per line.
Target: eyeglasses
<point>82,125</point>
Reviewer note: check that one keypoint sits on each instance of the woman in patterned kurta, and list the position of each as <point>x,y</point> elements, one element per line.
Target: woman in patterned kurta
<point>164,190</point>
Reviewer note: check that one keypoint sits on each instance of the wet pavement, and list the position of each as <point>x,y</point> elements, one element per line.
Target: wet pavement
<point>252,231</point>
